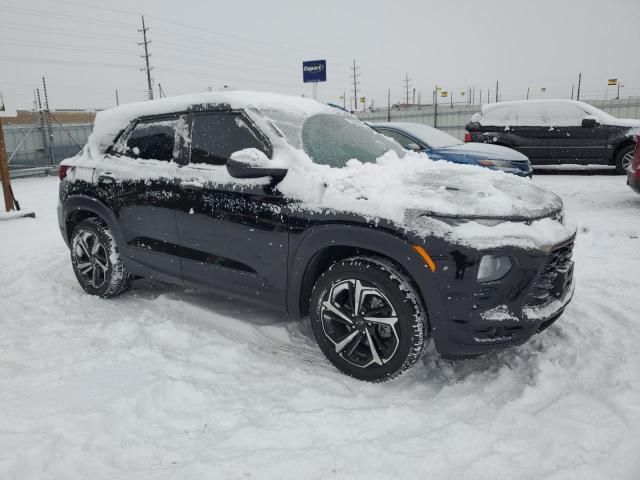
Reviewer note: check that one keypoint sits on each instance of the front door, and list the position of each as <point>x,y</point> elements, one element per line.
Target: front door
<point>137,180</point>
<point>233,233</point>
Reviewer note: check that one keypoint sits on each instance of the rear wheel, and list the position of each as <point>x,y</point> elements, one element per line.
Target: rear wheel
<point>368,319</point>
<point>96,261</point>
<point>623,159</point>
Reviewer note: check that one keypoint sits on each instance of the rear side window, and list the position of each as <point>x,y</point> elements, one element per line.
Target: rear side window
<point>216,135</point>
<point>152,140</point>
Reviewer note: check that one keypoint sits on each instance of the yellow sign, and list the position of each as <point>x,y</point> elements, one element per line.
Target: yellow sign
<point>612,81</point>
<point>462,93</point>
<point>543,89</point>
<point>444,93</point>
<point>363,100</point>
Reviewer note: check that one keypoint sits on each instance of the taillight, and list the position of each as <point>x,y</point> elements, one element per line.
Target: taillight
<point>468,137</point>
<point>63,170</point>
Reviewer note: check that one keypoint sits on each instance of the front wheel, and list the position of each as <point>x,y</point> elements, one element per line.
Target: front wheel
<point>368,319</point>
<point>96,260</point>
<point>623,159</point>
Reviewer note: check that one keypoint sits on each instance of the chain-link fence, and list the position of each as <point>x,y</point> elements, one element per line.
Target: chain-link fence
<point>31,146</point>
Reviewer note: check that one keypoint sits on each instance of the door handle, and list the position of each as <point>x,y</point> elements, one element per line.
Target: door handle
<point>191,186</point>
<point>106,179</point>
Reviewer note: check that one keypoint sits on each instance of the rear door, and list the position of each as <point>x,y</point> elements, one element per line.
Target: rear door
<point>233,233</point>
<point>137,179</point>
<point>521,126</point>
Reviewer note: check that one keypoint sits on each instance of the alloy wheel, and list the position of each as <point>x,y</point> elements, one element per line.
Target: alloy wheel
<point>91,258</point>
<point>627,159</point>
<point>361,323</point>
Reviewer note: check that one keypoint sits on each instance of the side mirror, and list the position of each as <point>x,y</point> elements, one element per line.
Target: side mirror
<point>414,147</point>
<point>252,163</point>
<point>589,122</point>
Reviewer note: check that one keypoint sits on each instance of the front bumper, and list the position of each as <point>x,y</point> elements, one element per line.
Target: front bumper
<point>477,318</point>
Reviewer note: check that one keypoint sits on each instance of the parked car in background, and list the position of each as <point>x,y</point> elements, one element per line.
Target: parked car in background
<point>256,196</point>
<point>556,132</point>
<point>633,172</point>
<point>442,146</point>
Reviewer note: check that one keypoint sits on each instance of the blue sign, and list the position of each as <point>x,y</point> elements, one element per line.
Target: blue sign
<point>314,71</point>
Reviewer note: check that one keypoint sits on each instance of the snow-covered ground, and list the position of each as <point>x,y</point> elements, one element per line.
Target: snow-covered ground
<point>164,382</point>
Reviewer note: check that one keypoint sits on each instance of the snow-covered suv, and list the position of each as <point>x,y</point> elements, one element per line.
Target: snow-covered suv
<point>556,131</point>
<point>298,206</point>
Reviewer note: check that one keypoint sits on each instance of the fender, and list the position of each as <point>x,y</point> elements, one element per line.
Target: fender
<point>315,239</point>
<point>77,202</point>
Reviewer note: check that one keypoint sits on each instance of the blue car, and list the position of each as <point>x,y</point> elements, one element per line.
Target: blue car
<point>442,146</point>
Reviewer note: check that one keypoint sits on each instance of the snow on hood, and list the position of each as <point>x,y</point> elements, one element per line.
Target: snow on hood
<point>392,186</point>
<point>423,196</point>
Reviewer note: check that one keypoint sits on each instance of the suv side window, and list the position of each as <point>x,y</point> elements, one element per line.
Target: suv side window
<point>152,140</point>
<point>216,135</point>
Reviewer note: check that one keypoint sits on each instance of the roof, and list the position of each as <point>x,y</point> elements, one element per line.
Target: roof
<point>111,122</point>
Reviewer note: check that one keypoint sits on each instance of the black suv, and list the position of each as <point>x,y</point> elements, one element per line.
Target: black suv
<point>189,190</point>
<point>556,132</point>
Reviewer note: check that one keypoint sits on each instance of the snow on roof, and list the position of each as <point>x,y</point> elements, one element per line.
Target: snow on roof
<point>548,112</point>
<point>110,122</point>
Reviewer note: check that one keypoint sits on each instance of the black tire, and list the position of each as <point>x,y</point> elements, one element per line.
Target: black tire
<point>388,297</point>
<point>623,159</point>
<point>96,261</point>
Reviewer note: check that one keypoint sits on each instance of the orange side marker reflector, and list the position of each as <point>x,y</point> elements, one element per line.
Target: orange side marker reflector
<point>426,257</point>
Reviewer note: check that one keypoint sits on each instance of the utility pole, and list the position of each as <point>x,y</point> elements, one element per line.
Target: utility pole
<point>146,56</point>
<point>117,99</point>
<point>161,93</point>
<point>496,91</point>
<point>414,95</point>
<point>355,76</point>
<point>406,86</point>
<point>48,115</point>
<point>618,96</point>
<point>435,107</point>
<point>451,98</point>
<point>579,83</point>
<point>528,93</point>
<point>572,87</point>
<point>4,174</point>
<point>474,96</point>
<point>389,105</point>
<point>488,96</point>
<point>480,96</point>
<point>45,142</point>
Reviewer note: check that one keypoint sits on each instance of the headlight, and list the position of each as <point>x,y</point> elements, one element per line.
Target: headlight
<point>493,267</point>
<point>497,164</point>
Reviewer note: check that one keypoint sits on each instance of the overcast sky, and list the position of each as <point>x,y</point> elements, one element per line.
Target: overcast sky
<point>88,49</point>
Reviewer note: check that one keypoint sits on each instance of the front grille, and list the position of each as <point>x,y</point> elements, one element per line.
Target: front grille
<point>554,278</point>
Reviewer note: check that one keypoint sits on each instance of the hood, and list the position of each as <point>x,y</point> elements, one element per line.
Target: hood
<point>394,186</point>
<point>486,151</point>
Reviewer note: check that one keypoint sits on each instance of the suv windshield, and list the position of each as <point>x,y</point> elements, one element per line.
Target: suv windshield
<point>335,139</point>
